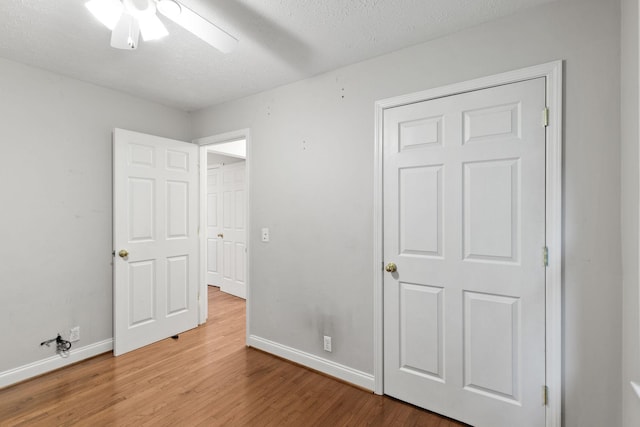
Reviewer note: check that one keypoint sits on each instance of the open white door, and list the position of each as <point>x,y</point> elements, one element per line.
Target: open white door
<point>226,235</point>
<point>214,227</point>
<point>155,237</point>
<point>233,236</point>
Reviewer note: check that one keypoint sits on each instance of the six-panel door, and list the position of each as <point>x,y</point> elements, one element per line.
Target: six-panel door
<point>155,231</point>
<point>464,221</point>
<point>226,228</point>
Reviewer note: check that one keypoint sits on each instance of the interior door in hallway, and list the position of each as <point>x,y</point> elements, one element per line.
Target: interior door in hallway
<point>229,197</point>
<point>155,238</point>
<point>464,225</point>
<point>214,226</point>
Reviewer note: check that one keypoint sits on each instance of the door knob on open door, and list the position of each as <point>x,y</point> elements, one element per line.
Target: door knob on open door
<point>391,268</point>
<point>123,253</point>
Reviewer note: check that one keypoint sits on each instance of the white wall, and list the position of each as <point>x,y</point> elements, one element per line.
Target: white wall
<point>630,193</point>
<point>215,158</point>
<point>55,215</point>
<point>315,276</point>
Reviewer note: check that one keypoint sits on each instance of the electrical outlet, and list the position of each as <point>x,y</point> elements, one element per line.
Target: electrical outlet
<point>327,344</point>
<point>74,334</point>
<point>265,234</point>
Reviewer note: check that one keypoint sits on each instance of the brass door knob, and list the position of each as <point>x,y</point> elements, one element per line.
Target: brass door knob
<point>123,253</point>
<point>391,268</point>
<point>220,235</point>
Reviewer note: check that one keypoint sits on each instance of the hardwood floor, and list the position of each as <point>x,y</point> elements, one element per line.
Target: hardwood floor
<point>205,378</point>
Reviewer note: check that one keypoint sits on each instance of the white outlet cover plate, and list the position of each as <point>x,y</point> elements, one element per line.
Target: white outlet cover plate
<point>327,343</point>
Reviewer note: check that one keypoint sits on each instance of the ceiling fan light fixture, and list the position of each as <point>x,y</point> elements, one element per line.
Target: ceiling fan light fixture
<point>169,8</point>
<point>129,18</point>
<point>152,28</point>
<point>106,11</point>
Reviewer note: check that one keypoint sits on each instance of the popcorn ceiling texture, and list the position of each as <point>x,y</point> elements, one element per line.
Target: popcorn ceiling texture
<point>280,42</point>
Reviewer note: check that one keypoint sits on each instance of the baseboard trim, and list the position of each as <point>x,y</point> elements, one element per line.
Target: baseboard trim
<point>344,373</point>
<point>21,373</point>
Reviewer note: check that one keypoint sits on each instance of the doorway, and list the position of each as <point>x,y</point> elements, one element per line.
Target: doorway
<point>224,215</point>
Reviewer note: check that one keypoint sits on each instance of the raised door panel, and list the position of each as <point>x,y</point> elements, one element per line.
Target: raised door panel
<point>493,123</point>
<point>421,133</point>
<point>142,292</point>
<point>212,256</point>
<point>421,219</point>
<point>177,284</point>
<point>227,260</point>
<point>141,155</point>
<point>177,209</point>
<point>227,209</point>
<point>177,161</point>
<point>492,340</point>
<point>212,210</point>
<point>239,210</point>
<point>421,331</point>
<point>491,210</point>
<point>142,211</point>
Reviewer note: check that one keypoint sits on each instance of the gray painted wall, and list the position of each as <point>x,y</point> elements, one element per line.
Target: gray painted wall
<point>630,189</point>
<point>55,183</point>
<point>315,276</point>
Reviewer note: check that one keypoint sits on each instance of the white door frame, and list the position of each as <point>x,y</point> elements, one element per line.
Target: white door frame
<point>204,143</point>
<point>553,72</point>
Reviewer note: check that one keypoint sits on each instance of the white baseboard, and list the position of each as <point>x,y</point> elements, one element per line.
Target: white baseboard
<point>345,373</point>
<point>52,363</point>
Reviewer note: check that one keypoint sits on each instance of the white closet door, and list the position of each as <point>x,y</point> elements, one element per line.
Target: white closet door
<point>464,222</point>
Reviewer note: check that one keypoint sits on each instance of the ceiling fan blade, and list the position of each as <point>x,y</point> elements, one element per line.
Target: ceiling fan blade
<point>106,11</point>
<point>152,28</point>
<point>197,25</point>
<point>126,33</point>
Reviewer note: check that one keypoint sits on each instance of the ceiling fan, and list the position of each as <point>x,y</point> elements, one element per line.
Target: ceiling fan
<point>128,19</point>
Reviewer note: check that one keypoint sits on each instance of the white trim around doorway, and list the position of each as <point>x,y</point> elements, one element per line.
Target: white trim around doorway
<point>204,143</point>
<point>552,72</point>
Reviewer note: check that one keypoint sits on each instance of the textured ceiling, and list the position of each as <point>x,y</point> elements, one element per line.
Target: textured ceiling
<point>281,41</point>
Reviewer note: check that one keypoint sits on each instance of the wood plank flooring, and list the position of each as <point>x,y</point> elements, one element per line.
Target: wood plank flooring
<point>205,378</point>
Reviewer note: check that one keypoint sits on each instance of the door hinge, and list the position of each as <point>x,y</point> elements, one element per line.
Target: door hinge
<point>545,117</point>
<point>113,253</point>
<point>545,256</point>
<point>545,395</point>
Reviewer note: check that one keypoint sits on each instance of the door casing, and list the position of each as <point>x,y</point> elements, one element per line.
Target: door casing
<point>553,72</point>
